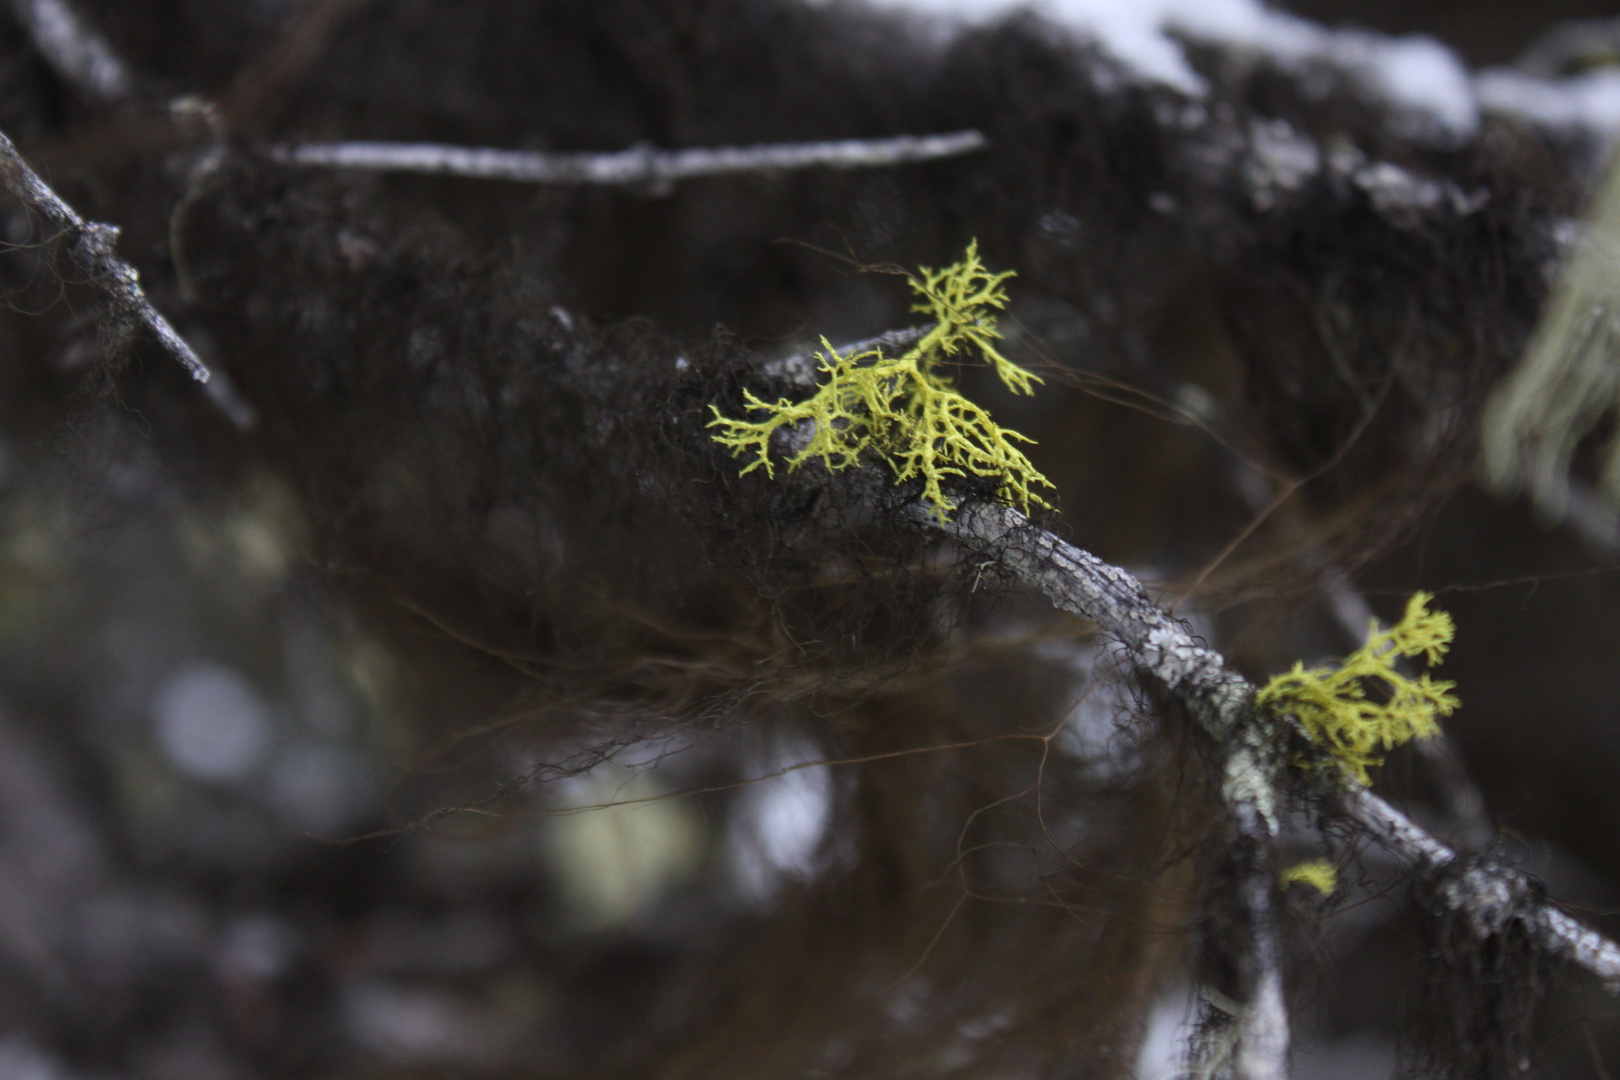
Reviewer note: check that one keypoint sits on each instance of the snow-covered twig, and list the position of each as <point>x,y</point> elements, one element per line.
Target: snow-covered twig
<point>79,55</point>
<point>639,166</point>
<point>90,244</point>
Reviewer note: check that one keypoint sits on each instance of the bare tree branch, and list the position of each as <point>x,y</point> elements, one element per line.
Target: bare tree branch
<point>643,166</point>
<point>78,54</point>
<point>90,244</point>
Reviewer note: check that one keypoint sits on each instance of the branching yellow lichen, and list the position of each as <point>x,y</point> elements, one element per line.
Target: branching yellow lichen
<point>1319,874</point>
<point>1333,704</point>
<point>902,409</point>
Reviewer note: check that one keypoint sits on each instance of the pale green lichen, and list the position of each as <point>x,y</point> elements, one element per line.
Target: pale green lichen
<point>1319,874</point>
<point>1335,709</point>
<point>903,409</point>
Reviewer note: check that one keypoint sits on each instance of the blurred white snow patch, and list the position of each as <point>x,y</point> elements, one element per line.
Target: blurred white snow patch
<point>22,1060</point>
<point>778,824</point>
<point>1163,1052</point>
<point>211,723</point>
<point>1588,102</point>
<point>73,49</point>
<point>321,788</point>
<point>1097,731</point>
<point>619,843</point>
<point>257,947</point>
<point>1416,74</point>
<point>409,1024</point>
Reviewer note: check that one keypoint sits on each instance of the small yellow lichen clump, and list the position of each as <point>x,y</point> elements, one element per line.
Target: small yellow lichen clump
<point>902,409</point>
<point>1332,704</point>
<point>1319,874</point>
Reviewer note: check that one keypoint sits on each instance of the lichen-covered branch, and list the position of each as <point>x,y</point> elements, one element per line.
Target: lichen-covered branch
<point>1076,581</point>
<point>901,408</point>
<point>1222,701</point>
<point>1463,801</point>
<point>640,166</point>
<point>90,245</point>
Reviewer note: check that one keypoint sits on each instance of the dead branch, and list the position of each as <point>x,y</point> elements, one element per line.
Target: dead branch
<point>90,244</point>
<point>639,166</point>
<point>1489,894</point>
<point>78,55</point>
<point>1220,700</point>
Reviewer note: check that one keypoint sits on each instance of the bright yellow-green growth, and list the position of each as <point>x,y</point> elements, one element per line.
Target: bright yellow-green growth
<point>903,409</point>
<point>1319,874</point>
<point>1333,704</point>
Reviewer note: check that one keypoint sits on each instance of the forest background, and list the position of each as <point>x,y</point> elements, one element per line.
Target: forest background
<point>304,673</point>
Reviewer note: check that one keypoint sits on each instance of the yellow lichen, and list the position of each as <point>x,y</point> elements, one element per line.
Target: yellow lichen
<point>1319,874</point>
<point>903,409</point>
<point>1335,709</point>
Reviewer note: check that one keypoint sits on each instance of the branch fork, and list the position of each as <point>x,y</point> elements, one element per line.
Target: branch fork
<point>1221,701</point>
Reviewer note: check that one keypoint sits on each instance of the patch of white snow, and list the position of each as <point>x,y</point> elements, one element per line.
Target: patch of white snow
<point>1416,74</point>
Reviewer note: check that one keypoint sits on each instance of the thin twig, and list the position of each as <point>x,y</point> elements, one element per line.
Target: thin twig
<point>80,56</point>
<point>639,166</point>
<point>1293,486</point>
<point>90,244</point>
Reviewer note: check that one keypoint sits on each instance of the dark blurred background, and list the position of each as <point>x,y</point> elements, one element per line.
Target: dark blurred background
<point>218,850</point>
